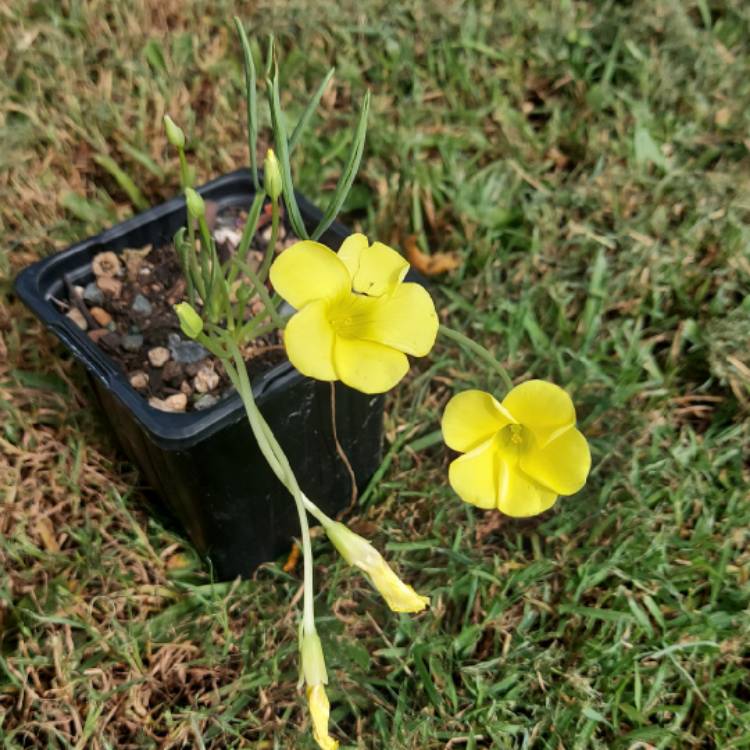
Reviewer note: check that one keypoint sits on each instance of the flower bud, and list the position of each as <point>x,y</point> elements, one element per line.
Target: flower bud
<point>174,132</point>
<point>272,175</point>
<point>190,322</point>
<point>357,551</point>
<point>195,205</point>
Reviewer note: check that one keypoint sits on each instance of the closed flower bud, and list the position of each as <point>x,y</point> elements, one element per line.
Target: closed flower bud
<point>174,132</point>
<point>195,205</point>
<point>272,175</point>
<point>357,551</point>
<point>190,322</point>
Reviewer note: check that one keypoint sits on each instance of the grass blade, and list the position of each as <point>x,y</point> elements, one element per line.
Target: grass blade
<point>144,160</point>
<point>123,180</point>
<point>349,173</point>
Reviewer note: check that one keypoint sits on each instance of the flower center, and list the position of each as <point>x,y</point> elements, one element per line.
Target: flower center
<point>515,439</point>
<point>349,315</point>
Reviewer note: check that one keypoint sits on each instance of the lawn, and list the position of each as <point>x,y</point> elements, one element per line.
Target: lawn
<point>588,162</point>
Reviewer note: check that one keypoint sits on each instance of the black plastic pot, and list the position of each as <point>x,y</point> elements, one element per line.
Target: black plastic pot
<point>206,465</point>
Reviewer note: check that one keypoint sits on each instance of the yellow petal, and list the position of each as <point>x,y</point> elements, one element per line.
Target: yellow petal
<point>320,711</point>
<point>405,320</point>
<point>474,476</point>
<point>471,418</point>
<point>562,465</point>
<point>307,271</point>
<point>545,408</point>
<point>351,250</point>
<point>367,366</point>
<point>519,495</point>
<point>308,339</point>
<point>399,596</point>
<point>374,269</point>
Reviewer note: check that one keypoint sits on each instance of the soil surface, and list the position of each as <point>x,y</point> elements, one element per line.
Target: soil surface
<point>127,310</point>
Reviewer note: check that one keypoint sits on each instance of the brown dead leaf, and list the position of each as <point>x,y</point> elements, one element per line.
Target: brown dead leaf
<point>47,533</point>
<point>429,265</point>
<point>491,523</point>
<point>178,562</point>
<point>291,562</point>
<point>723,116</point>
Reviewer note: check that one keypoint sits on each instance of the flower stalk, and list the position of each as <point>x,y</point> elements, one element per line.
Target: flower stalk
<point>279,464</point>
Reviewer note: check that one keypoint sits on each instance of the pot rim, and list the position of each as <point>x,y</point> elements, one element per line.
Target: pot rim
<point>173,430</point>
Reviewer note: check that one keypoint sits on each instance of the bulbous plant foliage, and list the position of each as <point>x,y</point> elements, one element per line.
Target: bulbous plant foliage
<point>356,320</point>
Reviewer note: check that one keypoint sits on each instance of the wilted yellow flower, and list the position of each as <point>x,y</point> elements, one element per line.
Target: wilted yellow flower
<point>357,551</point>
<point>320,710</point>
<point>314,672</point>
<point>519,455</point>
<point>356,319</point>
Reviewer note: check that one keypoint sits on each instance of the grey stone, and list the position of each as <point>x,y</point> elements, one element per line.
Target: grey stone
<point>92,294</point>
<point>185,352</point>
<point>141,305</point>
<point>206,401</point>
<point>132,343</point>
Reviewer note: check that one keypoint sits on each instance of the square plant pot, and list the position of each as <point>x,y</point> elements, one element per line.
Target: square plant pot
<point>206,465</point>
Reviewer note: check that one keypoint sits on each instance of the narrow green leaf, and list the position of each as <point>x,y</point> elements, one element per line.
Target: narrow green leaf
<point>250,100</point>
<point>282,151</point>
<point>312,105</point>
<point>349,173</point>
<point>269,55</point>
<point>123,180</point>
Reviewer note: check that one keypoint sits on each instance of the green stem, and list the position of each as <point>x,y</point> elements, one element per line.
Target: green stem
<point>466,343</point>
<point>253,328</point>
<point>184,172</point>
<point>279,464</point>
<point>271,249</point>
<point>260,288</point>
<point>248,232</point>
<point>316,512</point>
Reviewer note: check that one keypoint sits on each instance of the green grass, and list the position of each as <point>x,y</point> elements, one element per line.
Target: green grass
<point>589,163</point>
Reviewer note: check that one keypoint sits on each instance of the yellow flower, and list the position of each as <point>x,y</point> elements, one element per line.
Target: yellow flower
<point>357,551</point>
<point>356,320</point>
<point>518,455</point>
<point>314,672</point>
<point>320,710</point>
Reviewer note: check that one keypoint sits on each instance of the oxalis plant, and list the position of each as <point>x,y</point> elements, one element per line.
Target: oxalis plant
<point>355,319</point>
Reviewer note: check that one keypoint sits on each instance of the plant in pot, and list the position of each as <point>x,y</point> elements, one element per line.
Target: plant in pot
<point>348,319</point>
